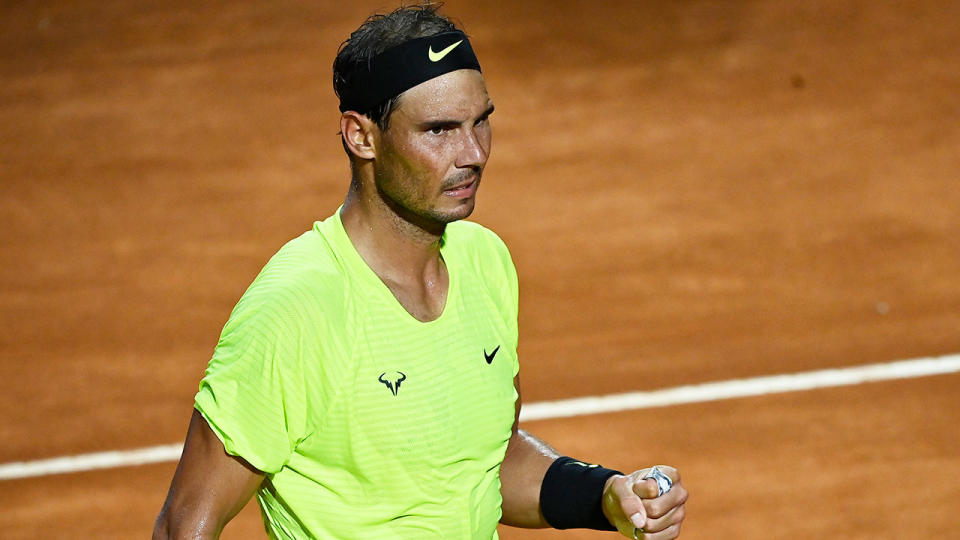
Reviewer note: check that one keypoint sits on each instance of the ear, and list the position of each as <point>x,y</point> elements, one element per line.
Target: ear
<point>358,134</point>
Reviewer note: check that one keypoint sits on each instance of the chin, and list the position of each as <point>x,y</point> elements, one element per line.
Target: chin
<point>462,211</point>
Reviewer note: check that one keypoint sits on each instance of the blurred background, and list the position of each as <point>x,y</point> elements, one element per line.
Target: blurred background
<point>692,191</point>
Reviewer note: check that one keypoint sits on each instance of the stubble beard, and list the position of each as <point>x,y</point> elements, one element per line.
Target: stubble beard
<point>430,218</point>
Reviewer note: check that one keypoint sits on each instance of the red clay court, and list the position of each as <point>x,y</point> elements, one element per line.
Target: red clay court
<point>693,192</point>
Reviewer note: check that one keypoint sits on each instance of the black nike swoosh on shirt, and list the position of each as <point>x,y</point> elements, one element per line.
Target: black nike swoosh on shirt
<point>490,356</point>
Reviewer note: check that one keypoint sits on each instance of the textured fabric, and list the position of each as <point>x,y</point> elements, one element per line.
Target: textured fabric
<point>367,422</point>
<point>400,68</point>
<point>571,495</point>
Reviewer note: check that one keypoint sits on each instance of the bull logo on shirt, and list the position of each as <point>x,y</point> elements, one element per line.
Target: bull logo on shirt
<point>392,380</point>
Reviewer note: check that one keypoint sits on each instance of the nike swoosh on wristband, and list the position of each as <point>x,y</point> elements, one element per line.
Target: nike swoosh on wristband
<point>438,56</point>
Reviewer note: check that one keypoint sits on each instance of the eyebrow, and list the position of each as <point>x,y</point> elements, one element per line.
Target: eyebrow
<point>488,112</point>
<point>443,122</point>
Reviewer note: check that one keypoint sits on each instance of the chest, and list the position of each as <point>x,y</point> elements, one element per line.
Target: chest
<point>423,300</point>
<point>443,391</point>
<point>429,399</point>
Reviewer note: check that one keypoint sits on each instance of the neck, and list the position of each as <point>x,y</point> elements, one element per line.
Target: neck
<point>399,248</point>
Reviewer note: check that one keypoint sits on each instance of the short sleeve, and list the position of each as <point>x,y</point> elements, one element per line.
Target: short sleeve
<point>253,394</point>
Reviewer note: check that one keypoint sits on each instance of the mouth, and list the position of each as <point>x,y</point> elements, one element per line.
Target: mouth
<point>464,189</point>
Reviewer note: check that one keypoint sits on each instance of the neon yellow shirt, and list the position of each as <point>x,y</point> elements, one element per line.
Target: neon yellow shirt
<point>367,422</point>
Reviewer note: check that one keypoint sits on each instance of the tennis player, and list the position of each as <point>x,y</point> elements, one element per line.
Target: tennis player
<point>366,385</point>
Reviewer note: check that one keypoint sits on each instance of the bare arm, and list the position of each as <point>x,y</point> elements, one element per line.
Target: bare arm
<point>208,489</point>
<point>628,501</point>
<point>524,466</point>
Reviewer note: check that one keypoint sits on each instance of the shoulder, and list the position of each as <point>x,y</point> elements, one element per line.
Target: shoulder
<point>302,281</point>
<point>473,238</point>
<point>481,249</point>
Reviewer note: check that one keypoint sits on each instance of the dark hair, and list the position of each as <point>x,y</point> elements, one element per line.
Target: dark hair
<point>379,33</point>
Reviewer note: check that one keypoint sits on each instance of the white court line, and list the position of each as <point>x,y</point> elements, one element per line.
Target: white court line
<point>736,388</point>
<point>90,462</point>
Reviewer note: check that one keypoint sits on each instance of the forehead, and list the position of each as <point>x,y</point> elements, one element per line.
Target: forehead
<point>454,95</point>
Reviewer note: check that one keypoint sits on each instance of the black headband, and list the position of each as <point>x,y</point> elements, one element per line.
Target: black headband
<point>400,68</point>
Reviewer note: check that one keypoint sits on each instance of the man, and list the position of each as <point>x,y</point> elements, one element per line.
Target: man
<point>348,390</point>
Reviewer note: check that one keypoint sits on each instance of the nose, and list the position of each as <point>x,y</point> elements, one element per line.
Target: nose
<point>475,149</point>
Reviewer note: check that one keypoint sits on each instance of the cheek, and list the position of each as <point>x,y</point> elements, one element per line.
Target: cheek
<point>485,137</point>
<point>405,160</point>
<point>420,160</point>
<point>428,157</point>
<point>412,172</point>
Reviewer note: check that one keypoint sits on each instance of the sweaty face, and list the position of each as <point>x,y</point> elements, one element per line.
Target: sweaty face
<point>430,159</point>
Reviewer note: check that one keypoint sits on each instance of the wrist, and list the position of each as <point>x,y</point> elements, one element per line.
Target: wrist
<point>572,495</point>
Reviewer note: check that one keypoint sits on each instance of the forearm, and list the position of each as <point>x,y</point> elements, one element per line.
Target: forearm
<point>173,525</point>
<point>189,515</point>
<point>521,475</point>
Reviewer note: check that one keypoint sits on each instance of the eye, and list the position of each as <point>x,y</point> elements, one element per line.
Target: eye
<point>438,130</point>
